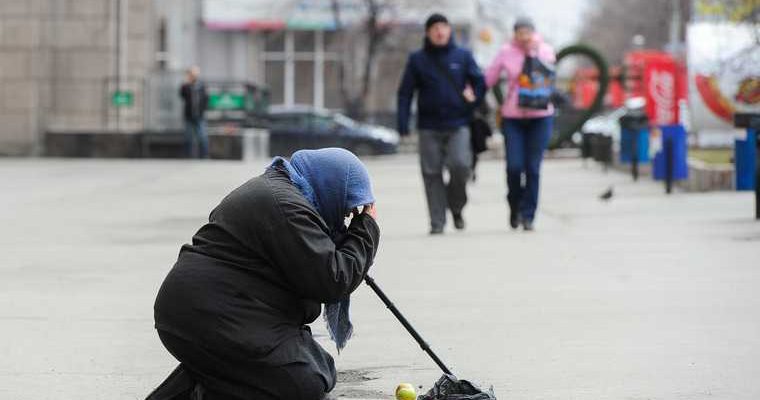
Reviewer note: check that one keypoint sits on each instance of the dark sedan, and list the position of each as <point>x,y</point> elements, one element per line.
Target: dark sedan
<point>292,129</point>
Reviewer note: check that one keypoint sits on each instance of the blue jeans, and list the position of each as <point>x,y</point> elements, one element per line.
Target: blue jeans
<point>196,130</point>
<point>525,141</point>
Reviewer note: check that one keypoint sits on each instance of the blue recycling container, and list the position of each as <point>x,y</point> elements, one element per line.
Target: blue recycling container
<point>677,134</point>
<point>626,144</point>
<point>745,158</point>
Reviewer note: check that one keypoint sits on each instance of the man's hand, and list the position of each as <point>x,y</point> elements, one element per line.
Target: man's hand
<point>469,94</point>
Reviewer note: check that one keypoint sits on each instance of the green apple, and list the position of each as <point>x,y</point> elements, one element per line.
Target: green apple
<point>405,391</point>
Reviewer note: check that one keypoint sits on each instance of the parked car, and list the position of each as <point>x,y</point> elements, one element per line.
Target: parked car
<point>295,128</point>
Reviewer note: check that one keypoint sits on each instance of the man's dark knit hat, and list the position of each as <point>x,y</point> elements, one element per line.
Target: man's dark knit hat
<point>434,19</point>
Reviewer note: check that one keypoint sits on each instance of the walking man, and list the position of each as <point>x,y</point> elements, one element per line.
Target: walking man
<point>193,94</point>
<point>449,85</point>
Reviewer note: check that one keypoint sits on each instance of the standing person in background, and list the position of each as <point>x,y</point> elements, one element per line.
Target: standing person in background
<point>193,94</point>
<point>526,127</point>
<point>449,85</point>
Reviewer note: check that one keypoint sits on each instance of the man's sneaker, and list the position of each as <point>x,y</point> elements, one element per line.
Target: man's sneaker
<point>528,225</point>
<point>436,231</point>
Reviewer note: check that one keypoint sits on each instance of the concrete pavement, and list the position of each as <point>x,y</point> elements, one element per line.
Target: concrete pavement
<point>642,297</point>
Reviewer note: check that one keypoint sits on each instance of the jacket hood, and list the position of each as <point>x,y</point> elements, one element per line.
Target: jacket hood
<point>334,181</point>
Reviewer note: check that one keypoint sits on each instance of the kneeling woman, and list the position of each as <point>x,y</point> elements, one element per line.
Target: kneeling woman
<point>235,307</point>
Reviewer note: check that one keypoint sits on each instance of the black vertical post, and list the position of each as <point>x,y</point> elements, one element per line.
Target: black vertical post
<point>668,164</point>
<point>635,155</point>
<point>586,147</point>
<point>607,152</point>
<point>756,132</point>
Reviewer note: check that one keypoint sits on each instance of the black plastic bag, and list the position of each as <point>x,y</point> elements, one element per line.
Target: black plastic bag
<point>449,387</point>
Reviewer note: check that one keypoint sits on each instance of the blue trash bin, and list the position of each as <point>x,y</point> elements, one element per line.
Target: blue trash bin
<point>745,158</point>
<point>634,130</point>
<point>626,144</point>
<point>677,134</point>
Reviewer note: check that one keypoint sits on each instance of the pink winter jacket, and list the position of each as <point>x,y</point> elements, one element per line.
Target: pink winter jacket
<point>509,62</point>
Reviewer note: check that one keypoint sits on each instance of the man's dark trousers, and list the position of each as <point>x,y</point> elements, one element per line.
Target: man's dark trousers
<point>450,149</point>
<point>195,131</point>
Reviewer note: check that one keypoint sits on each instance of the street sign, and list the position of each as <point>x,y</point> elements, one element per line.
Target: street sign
<point>122,98</point>
<point>226,101</point>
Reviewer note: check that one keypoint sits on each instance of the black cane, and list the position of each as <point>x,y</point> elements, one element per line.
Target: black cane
<point>635,156</point>
<point>669,164</point>
<point>371,283</point>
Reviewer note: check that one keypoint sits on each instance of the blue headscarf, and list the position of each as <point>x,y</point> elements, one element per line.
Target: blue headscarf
<point>335,182</point>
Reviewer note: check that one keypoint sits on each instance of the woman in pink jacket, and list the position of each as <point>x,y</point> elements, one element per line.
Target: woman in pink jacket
<point>526,130</point>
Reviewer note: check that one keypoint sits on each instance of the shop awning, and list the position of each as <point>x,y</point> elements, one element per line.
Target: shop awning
<point>319,15</point>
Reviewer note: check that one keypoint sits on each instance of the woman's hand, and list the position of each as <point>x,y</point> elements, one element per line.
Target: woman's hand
<point>371,210</point>
<point>365,209</point>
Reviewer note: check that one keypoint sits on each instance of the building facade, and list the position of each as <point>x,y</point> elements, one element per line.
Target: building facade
<point>115,65</point>
<point>58,66</point>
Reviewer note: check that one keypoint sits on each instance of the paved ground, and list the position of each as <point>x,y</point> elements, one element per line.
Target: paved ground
<point>644,297</point>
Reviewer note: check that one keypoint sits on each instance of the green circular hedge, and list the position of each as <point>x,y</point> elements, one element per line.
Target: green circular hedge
<point>565,132</point>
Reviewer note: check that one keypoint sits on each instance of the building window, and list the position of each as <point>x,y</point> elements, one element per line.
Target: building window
<point>162,52</point>
<point>304,41</point>
<point>333,42</point>
<point>275,80</point>
<point>332,85</point>
<point>304,82</point>
<point>298,70</point>
<point>274,41</point>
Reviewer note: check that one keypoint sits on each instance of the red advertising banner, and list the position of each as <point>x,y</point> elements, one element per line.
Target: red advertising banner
<point>657,77</point>
<point>660,82</point>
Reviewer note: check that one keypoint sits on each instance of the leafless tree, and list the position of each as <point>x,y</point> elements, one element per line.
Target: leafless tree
<point>612,24</point>
<point>374,44</point>
<point>373,34</point>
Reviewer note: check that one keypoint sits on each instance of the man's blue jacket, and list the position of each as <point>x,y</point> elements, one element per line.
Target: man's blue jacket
<point>440,105</point>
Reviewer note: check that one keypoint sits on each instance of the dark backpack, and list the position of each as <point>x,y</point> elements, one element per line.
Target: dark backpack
<point>535,84</point>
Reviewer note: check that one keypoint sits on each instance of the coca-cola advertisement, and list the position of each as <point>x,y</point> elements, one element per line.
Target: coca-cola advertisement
<point>662,104</point>
<point>657,77</point>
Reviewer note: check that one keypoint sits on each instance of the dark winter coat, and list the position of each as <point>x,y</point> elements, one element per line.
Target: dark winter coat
<point>256,274</point>
<point>195,99</point>
<point>440,105</point>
